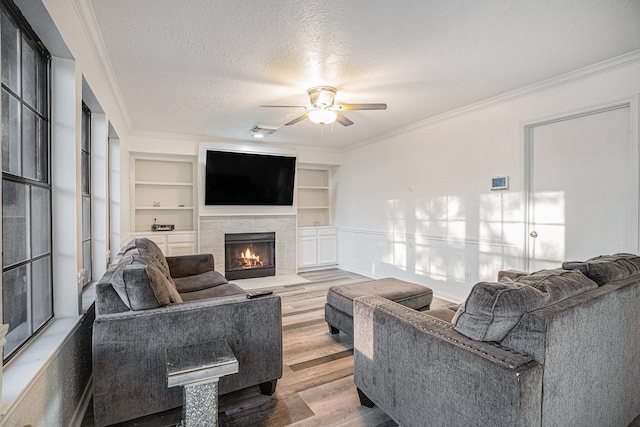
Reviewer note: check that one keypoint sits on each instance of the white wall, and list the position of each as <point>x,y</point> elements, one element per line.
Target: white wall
<point>417,204</point>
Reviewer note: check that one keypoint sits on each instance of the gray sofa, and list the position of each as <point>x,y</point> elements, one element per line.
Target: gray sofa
<point>556,347</point>
<point>147,302</point>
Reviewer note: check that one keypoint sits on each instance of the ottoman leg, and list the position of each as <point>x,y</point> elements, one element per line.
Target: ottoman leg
<point>333,329</point>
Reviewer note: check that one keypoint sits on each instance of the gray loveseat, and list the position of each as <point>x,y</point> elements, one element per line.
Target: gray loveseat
<point>147,302</point>
<point>556,347</point>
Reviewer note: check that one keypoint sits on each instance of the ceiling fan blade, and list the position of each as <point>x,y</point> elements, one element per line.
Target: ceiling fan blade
<point>296,120</point>
<point>343,120</point>
<point>346,107</point>
<point>284,106</point>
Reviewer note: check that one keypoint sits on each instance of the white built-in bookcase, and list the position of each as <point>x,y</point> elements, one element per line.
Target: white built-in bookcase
<point>314,202</point>
<point>317,238</point>
<point>164,191</point>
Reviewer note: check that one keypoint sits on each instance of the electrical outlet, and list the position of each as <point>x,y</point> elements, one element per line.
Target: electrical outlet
<point>467,276</point>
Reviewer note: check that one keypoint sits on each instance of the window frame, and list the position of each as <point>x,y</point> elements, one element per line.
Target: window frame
<point>86,195</point>
<point>42,177</point>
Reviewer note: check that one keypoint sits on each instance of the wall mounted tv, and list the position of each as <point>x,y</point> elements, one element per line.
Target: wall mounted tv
<point>249,179</point>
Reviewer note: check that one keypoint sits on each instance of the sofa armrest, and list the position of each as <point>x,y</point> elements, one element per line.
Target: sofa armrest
<point>188,265</point>
<point>129,368</point>
<point>416,367</point>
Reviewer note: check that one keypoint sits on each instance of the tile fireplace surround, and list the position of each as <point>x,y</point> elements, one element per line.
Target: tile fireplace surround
<point>213,229</point>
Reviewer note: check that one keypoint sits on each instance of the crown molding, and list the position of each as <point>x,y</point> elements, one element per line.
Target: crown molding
<point>551,83</point>
<point>90,26</point>
<point>210,139</point>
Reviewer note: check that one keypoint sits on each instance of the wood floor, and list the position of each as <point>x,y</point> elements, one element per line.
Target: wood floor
<point>316,388</point>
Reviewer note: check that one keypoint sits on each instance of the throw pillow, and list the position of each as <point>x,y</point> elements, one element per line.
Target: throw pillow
<point>145,246</point>
<point>142,285</point>
<point>607,268</point>
<point>492,309</point>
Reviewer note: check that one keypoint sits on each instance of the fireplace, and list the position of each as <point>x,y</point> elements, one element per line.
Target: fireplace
<point>248,255</point>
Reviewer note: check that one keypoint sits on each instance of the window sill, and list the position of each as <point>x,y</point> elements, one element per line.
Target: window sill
<point>88,296</point>
<point>22,370</point>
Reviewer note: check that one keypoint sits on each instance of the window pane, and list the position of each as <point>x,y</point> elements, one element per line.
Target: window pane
<point>86,218</point>
<point>40,221</point>
<point>86,127</point>
<point>30,132</point>
<point>42,162</point>
<point>10,134</point>
<point>14,223</point>
<point>14,306</point>
<point>41,293</point>
<point>10,55</point>
<point>86,261</point>
<point>29,75</point>
<point>86,173</point>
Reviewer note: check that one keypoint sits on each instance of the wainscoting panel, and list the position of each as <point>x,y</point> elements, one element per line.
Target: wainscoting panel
<point>450,266</point>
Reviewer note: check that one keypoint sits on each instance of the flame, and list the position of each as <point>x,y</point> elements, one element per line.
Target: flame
<point>248,255</point>
<point>250,259</point>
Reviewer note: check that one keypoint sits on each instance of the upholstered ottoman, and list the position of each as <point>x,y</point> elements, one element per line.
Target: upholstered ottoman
<point>338,311</point>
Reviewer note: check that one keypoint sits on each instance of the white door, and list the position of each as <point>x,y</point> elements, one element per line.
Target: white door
<point>582,197</point>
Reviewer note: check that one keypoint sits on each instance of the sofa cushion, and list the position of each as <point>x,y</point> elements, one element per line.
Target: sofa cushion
<point>200,281</point>
<point>408,294</point>
<point>223,290</point>
<point>607,268</point>
<point>142,284</point>
<point>492,309</point>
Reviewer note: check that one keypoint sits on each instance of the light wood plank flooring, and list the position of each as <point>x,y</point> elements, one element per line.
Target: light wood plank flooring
<point>316,388</point>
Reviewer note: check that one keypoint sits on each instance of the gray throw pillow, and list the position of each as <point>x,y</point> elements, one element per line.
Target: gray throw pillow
<point>142,285</point>
<point>492,309</point>
<point>607,268</point>
<point>146,246</point>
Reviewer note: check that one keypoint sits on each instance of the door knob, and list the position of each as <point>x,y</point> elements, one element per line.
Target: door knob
<point>533,234</point>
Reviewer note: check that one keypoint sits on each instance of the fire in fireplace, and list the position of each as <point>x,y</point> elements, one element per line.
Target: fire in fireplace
<point>248,255</point>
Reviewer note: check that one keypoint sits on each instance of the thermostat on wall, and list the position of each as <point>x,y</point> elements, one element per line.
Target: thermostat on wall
<point>500,183</point>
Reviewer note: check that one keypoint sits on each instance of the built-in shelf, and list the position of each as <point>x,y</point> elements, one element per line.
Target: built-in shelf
<point>314,207</point>
<point>317,239</point>
<point>165,184</point>
<point>162,208</point>
<point>163,192</point>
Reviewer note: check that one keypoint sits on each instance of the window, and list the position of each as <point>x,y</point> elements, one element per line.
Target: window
<point>27,292</point>
<point>86,193</point>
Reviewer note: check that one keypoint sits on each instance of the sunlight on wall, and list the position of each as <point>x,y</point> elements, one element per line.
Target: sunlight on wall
<point>395,251</point>
<point>450,239</point>
<point>427,237</point>
<point>548,219</point>
<point>501,231</point>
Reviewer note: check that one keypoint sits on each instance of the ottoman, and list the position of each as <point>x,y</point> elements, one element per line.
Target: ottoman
<point>338,311</point>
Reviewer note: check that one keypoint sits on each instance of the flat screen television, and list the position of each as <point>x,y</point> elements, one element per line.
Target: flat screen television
<point>249,179</point>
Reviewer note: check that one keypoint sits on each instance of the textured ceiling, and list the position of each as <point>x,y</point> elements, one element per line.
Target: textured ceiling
<point>203,67</point>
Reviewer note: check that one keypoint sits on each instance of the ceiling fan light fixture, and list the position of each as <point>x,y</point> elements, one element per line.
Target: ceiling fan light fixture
<point>322,117</point>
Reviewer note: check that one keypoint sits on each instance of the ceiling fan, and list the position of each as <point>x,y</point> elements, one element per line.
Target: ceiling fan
<point>323,110</point>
